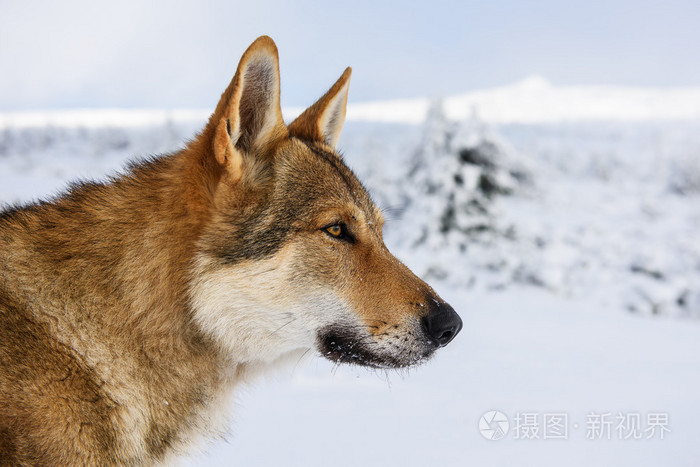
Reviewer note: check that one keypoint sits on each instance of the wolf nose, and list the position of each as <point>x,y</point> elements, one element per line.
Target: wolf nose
<point>442,324</point>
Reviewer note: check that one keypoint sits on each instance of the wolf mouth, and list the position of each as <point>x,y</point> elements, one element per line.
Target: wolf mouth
<point>347,345</point>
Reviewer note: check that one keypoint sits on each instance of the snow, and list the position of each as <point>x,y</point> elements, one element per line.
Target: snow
<point>535,100</point>
<point>582,299</point>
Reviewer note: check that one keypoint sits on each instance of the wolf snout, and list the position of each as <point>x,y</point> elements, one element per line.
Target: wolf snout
<point>441,324</point>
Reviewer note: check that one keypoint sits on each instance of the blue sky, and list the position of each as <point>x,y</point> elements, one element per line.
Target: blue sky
<point>178,54</point>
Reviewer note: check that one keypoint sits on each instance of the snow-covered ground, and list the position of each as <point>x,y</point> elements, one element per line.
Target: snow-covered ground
<point>524,351</point>
<point>580,304</point>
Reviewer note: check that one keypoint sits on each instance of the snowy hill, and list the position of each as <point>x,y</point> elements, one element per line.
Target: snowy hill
<point>533,100</point>
<point>579,288</point>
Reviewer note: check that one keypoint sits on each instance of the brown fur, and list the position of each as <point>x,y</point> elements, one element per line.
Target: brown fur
<point>130,309</point>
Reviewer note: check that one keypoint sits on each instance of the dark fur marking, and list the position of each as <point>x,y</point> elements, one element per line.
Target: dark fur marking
<point>259,243</point>
<point>344,345</point>
<point>260,234</point>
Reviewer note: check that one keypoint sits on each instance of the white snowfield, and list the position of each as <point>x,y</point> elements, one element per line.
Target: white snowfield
<point>581,343</point>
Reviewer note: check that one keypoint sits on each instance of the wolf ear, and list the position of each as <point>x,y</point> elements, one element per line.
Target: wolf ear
<point>323,121</point>
<point>248,115</point>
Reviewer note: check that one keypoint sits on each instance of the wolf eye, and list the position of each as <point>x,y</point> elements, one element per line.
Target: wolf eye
<point>339,231</point>
<point>335,231</point>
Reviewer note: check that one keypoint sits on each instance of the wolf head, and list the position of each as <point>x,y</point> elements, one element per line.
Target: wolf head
<point>293,256</point>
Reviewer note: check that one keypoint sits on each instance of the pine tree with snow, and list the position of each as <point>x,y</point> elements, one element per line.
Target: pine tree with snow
<point>456,173</point>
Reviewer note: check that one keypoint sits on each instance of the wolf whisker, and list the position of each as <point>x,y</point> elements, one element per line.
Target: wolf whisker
<point>291,320</point>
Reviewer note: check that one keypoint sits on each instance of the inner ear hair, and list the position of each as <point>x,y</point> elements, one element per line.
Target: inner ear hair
<point>323,121</point>
<point>258,107</point>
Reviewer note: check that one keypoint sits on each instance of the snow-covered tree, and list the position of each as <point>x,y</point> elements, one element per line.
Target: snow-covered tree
<point>457,172</point>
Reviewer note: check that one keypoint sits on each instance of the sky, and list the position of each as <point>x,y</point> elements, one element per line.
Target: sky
<point>182,54</point>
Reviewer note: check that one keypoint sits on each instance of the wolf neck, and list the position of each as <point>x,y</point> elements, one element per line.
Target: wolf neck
<point>106,269</point>
<point>126,246</point>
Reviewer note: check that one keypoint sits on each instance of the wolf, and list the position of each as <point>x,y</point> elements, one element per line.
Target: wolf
<point>131,309</point>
